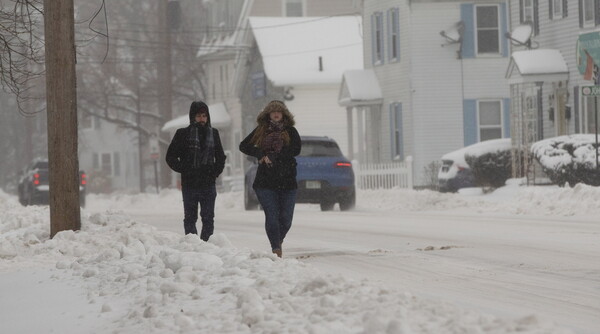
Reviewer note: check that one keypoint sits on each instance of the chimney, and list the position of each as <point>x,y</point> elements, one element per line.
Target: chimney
<point>320,64</point>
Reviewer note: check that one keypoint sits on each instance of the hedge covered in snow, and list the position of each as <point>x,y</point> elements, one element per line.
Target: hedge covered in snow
<point>569,159</point>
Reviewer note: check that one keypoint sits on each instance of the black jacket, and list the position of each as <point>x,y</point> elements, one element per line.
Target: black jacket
<point>180,160</point>
<point>282,174</point>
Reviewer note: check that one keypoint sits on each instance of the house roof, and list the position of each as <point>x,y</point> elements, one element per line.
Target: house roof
<point>292,46</point>
<point>219,118</point>
<point>537,65</point>
<point>359,87</point>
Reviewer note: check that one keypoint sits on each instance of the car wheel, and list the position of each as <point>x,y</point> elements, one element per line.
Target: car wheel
<point>327,206</point>
<point>249,203</point>
<point>348,202</point>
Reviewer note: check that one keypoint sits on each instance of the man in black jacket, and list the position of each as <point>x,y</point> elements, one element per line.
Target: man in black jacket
<point>197,153</point>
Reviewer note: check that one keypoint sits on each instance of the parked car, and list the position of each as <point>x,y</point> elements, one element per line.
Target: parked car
<point>454,172</point>
<point>34,188</point>
<point>324,176</point>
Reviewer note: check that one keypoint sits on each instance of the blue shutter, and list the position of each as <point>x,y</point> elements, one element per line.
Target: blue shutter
<point>382,30</point>
<point>468,43</point>
<point>400,128</point>
<point>503,30</point>
<point>390,26</point>
<point>373,39</point>
<point>470,121</point>
<point>575,110</point>
<point>506,117</point>
<point>392,134</point>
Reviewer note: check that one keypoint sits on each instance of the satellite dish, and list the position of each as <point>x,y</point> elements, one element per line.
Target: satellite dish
<point>454,33</point>
<point>521,35</point>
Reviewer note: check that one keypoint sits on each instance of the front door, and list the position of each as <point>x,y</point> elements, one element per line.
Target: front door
<point>560,119</point>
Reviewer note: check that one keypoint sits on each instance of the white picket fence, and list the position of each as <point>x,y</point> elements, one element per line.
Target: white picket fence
<point>384,175</point>
<point>367,176</point>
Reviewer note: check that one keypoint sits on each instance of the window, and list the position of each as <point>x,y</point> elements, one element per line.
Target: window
<point>488,29</point>
<point>528,12</point>
<point>396,131</point>
<point>117,163</point>
<point>293,7</point>
<point>490,120</point>
<point>106,167</point>
<point>377,37</point>
<point>588,123</point>
<point>394,34</point>
<point>589,17</point>
<point>556,8</point>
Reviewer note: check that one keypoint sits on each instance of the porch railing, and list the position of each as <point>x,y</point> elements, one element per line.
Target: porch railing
<point>384,175</point>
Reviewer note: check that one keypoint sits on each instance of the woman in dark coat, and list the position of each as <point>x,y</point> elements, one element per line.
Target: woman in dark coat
<point>197,153</point>
<point>275,143</point>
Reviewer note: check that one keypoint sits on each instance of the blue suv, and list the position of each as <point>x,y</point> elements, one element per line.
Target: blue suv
<point>324,176</point>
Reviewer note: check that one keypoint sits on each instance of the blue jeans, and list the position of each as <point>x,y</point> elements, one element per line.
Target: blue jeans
<point>206,197</point>
<point>278,206</point>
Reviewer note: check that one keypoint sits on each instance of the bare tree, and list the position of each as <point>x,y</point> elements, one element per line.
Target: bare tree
<point>21,46</point>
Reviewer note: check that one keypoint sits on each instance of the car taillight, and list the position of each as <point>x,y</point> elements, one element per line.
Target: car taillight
<point>36,179</point>
<point>83,179</point>
<point>342,164</point>
<point>460,168</point>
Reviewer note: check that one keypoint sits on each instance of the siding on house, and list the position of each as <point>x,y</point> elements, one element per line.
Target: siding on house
<point>430,81</point>
<point>317,113</point>
<point>560,34</point>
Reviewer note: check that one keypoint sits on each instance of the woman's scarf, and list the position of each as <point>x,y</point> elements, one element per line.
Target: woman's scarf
<point>201,144</point>
<point>273,142</point>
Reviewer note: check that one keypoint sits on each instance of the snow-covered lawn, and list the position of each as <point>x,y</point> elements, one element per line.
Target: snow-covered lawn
<point>123,275</point>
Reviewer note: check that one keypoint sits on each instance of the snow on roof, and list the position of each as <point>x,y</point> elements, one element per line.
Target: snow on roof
<point>219,118</point>
<point>541,61</point>
<point>291,47</point>
<point>359,85</point>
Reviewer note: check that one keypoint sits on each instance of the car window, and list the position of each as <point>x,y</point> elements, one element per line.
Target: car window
<point>313,148</point>
<point>41,165</point>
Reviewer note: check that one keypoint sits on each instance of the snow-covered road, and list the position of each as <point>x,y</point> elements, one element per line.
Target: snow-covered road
<point>495,262</point>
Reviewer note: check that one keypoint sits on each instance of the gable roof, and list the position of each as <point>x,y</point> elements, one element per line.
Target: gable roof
<point>294,48</point>
<point>537,65</point>
<point>360,87</point>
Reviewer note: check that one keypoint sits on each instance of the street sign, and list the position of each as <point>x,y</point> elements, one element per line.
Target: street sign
<point>587,52</point>
<point>590,90</point>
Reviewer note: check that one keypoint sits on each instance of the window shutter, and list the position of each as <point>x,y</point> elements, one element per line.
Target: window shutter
<point>536,17</point>
<point>400,127</point>
<point>397,29</point>
<point>468,43</point>
<point>575,110</point>
<point>565,8</point>
<point>390,26</point>
<point>392,135</point>
<point>470,121</point>
<point>521,16</point>
<point>550,7</point>
<point>503,30</point>
<point>506,117</point>
<point>373,39</point>
<point>540,112</point>
<point>580,13</point>
<point>597,11</point>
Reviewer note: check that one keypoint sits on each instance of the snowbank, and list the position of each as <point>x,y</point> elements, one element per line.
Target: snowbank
<point>144,280</point>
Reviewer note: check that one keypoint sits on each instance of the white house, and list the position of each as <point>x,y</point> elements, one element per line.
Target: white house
<point>301,60</point>
<point>440,66</point>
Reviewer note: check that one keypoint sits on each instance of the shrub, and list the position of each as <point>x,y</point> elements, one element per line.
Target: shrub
<point>568,159</point>
<point>491,169</point>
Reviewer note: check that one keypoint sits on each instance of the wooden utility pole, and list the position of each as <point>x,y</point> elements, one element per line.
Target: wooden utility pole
<point>61,105</point>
